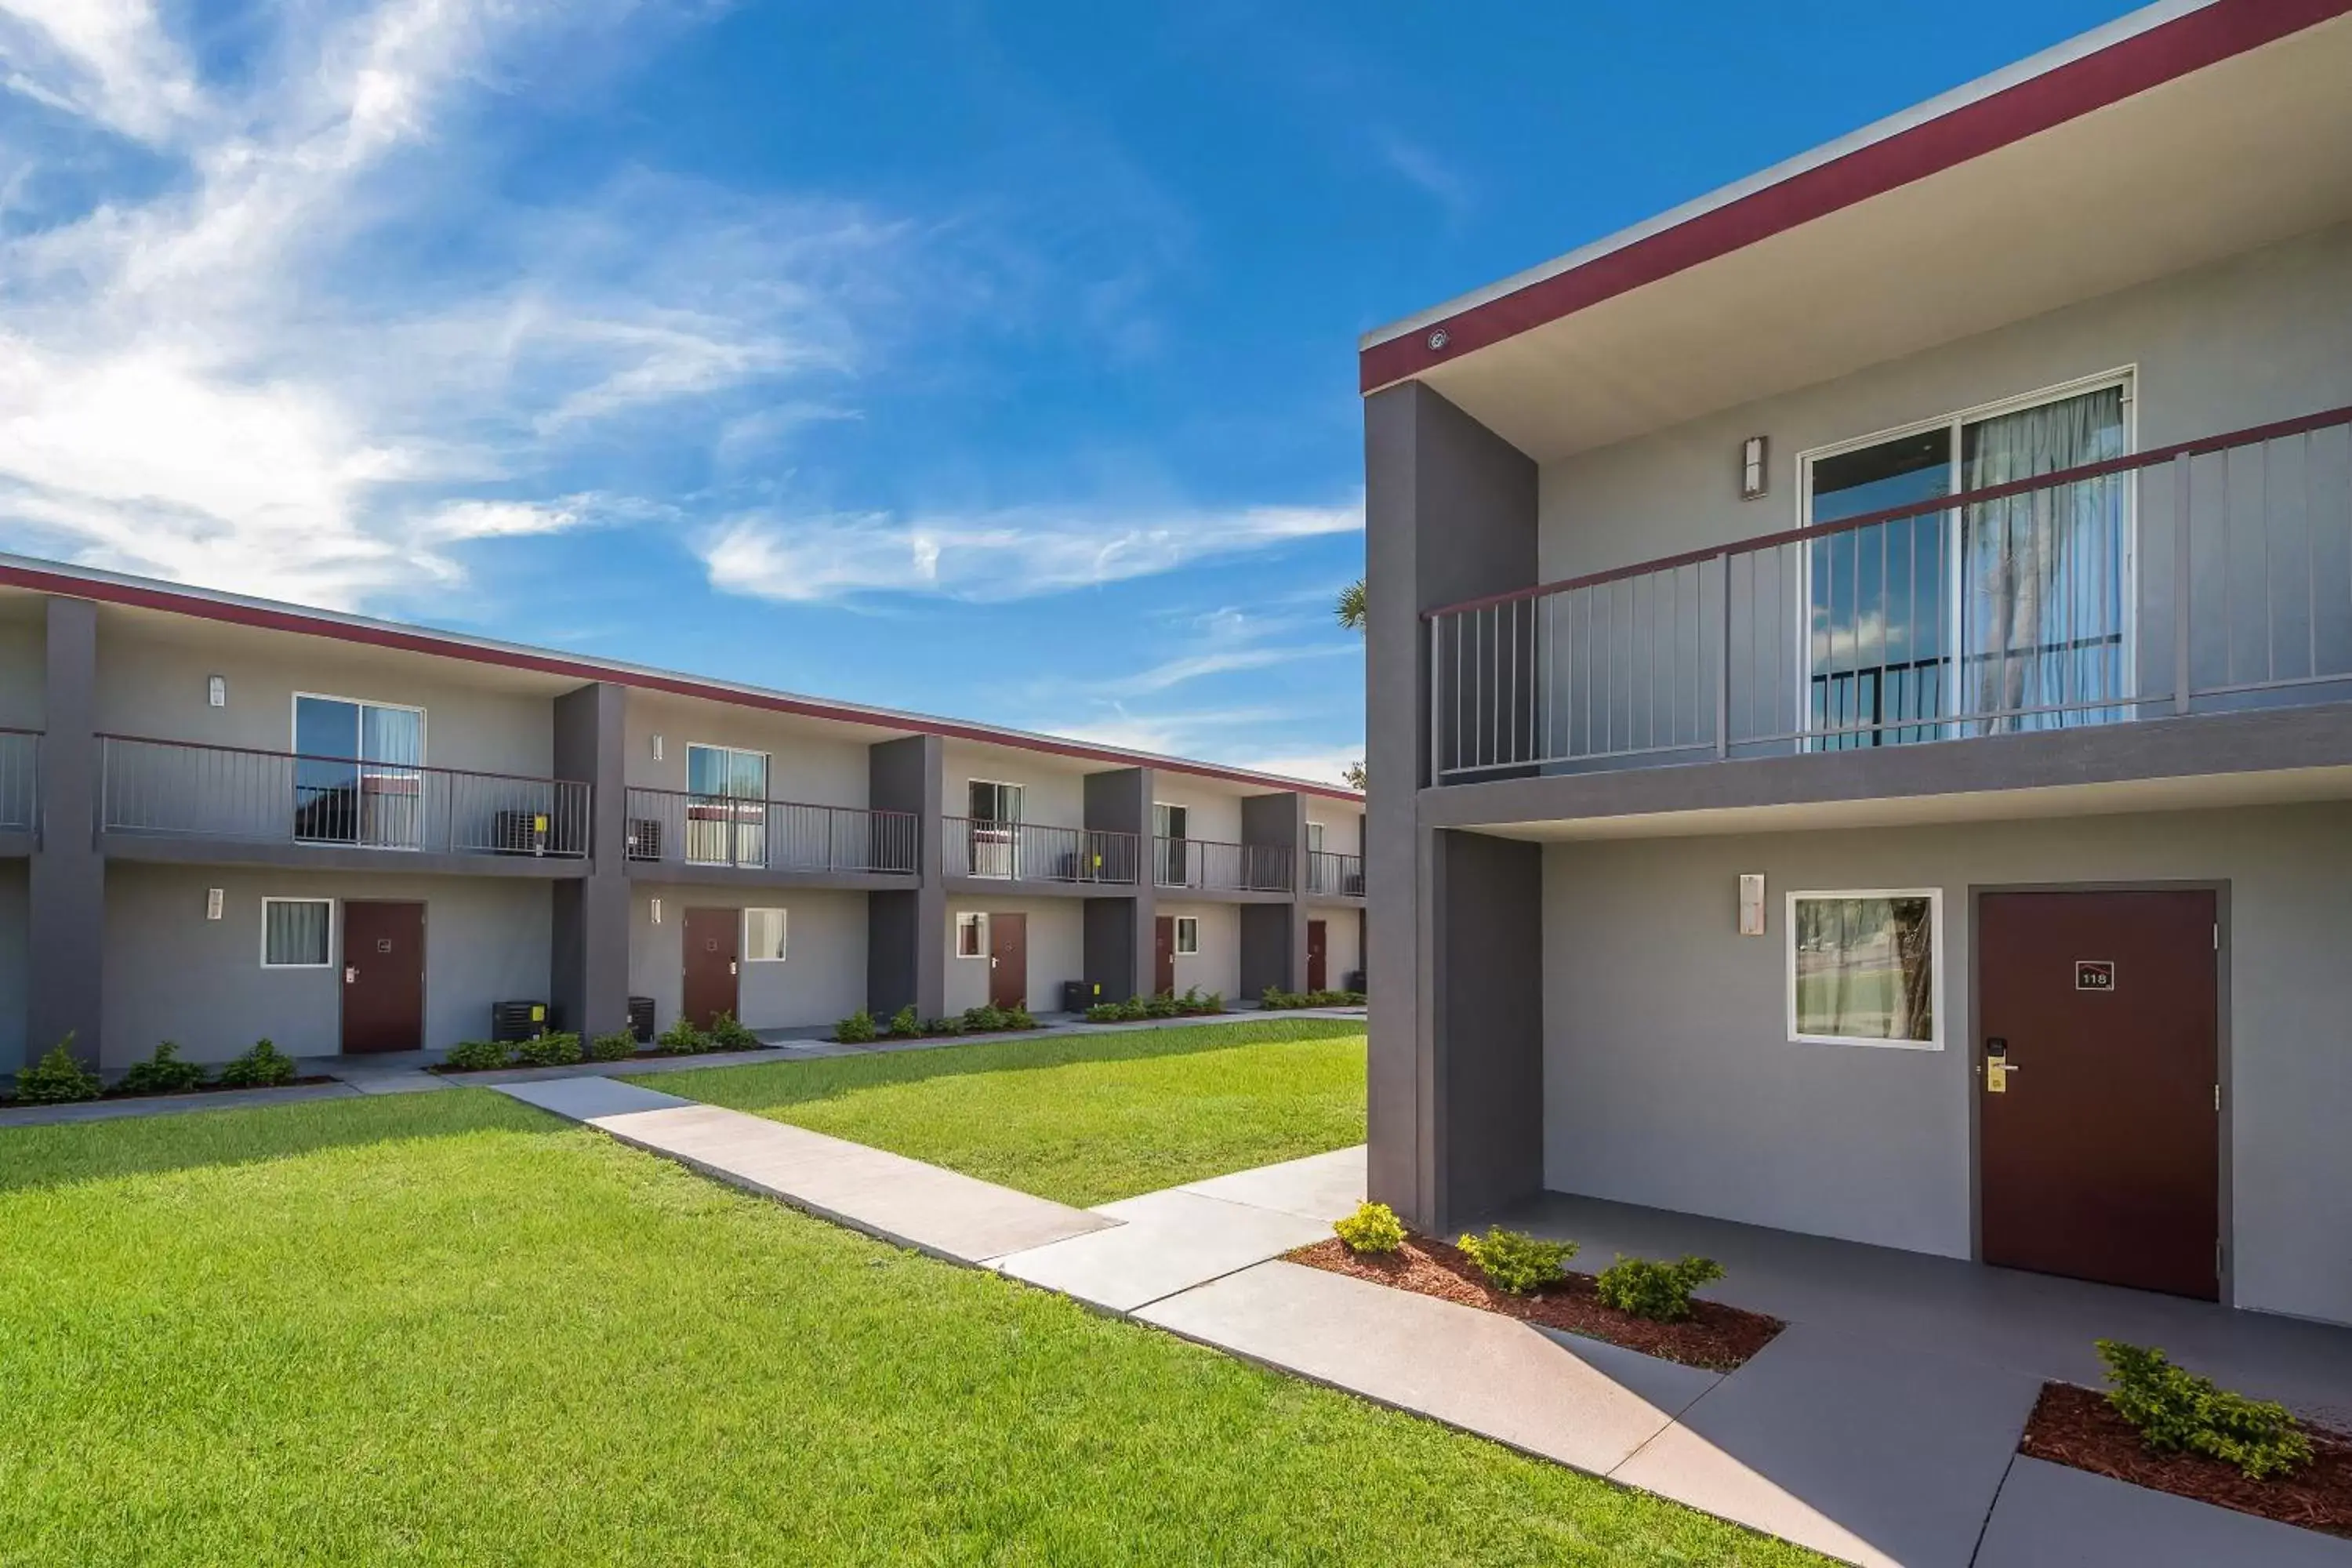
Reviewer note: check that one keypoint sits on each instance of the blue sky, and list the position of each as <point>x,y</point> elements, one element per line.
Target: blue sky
<point>990,360</point>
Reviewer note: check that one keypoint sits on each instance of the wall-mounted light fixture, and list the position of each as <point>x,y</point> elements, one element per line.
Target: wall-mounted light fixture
<point>658,748</point>
<point>212,903</point>
<point>1751,903</point>
<point>1752,466</point>
<point>216,690</point>
<point>656,909</point>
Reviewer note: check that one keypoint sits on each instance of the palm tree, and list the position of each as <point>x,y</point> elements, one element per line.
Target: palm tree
<point>1350,611</point>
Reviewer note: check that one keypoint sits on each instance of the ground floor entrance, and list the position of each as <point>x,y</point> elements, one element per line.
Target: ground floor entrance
<point>2099,1086</point>
<point>384,976</point>
<point>713,960</point>
<point>1008,960</point>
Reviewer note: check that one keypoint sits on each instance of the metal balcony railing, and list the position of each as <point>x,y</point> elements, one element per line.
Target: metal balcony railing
<point>1033,852</point>
<point>2212,576</point>
<point>680,827</point>
<point>20,755</point>
<point>1335,875</point>
<point>1206,863</point>
<point>174,789</point>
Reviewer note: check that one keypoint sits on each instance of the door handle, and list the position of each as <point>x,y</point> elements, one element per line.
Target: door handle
<point>991,961</point>
<point>350,974</point>
<point>730,966</point>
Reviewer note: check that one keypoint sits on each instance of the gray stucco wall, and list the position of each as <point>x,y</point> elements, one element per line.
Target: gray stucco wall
<point>23,655</point>
<point>1218,966</point>
<point>1669,1079</point>
<point>2259,337</point>
<point>1057,950</point>
<point>14,919</point>
<point>821,981</point>
<point>171,974</point>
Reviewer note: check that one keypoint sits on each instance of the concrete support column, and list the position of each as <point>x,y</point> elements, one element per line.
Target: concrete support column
<point>589,970</point>
<point>1118,925</point>
<point>66,949</point>
<point>1274,936</point>
<point>1450,514</point>
<point>905,929</point>
<point>1486,916</point>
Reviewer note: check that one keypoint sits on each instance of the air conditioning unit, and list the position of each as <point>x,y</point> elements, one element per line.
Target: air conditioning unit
<point>641,1019</point>
<point>645,837</point>
<point>519,832</point>
<point>511,1021</point>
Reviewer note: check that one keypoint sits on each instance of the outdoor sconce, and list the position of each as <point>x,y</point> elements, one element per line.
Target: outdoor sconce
<point>216,690</point>
<point>1751,903</point>
<point>1751,468</point>
<point>657,907</point>
<point>212,903</point>
<point>658,748</point>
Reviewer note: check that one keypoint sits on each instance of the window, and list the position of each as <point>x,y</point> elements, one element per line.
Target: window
<point>992,801</point>
<point>356,778</point>
<point>1315,838</point>
<point>1866,968</point>
<point>764,936</point>
<point>971,936</point>
<point>1188,934</point>
<point>1170,824</point>
<point>298,933</point>
<point>727,811</point>
<point>993,832</point>
<point>2008,614</point>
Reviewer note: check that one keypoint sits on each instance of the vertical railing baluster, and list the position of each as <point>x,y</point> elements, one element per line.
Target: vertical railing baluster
<point>1723,674</point>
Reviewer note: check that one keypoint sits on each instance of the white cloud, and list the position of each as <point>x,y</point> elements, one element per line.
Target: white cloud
<point>1317,767</point>
<point>1010,554</point>
<point>107,60</point>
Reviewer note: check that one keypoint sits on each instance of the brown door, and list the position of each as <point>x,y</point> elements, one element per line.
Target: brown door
<point>2101,1155</point>
<point>384,978</point>
<point>1008,960</point>
<point>1163,955</point>
<point>712,937</point>
<point>1319,947</point>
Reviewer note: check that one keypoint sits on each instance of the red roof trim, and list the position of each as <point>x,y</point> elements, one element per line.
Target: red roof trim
<point>2130,66</point>
<point>417,640</point>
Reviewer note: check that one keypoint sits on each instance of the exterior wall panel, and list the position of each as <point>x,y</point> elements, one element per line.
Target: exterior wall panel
<point>1218,966</point>
<point>822,979</point>
<point>809,762</point>
<point>1057,950</point>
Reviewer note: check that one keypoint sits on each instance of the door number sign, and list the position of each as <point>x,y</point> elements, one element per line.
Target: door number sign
<point>2095,975</point>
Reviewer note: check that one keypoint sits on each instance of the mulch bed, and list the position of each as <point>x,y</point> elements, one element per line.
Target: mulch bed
<point>10,1102</point>
<point>2077,1426</point>
<point>1714,1336</point>
<point>445,1070</point>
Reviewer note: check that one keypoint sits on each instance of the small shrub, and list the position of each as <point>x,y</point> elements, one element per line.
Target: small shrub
<point>1658,1291</point>
<point>1373,1227</point>
<point>162,1073</point>
<point>556,1048</point>
<point>855,1030</point>
<point>982,1020</point>
<point>1516,1263</point>
<point>729,1035</point>
<point>1134,1010</point>
<point>904,1022</point>
<point>1275,998</point>
<point>263,1066</point>
<point>617,1047</point>
<point>681,1040</point>
<point>1020,1018</point>
<point>476,1056</point>
<point>1104,1013</point>
<point>57,1079</point>
<point>2175,1410</point>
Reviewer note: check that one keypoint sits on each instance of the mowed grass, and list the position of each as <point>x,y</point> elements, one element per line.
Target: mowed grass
<point>445,1328</point>
<point>1081,1119</point>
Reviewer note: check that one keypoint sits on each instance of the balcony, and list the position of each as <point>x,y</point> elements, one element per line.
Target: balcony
<point>173,789</point>
<point>1034,852</point>
<point>1331,875</point>
<point>680,829</point>
<point>1208,865</point>
<point>2207,577</point>
<point>20,752</point>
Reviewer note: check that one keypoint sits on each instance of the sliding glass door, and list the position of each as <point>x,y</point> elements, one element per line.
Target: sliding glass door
<point>357,774</point>
<point>727,808</point>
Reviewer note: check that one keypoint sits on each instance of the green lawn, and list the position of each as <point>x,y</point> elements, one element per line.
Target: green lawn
<point>1082,1119</point>
<point>444,1329</point>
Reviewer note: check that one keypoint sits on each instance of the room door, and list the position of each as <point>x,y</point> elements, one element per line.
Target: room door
<point>384,978</point>
<point>2099,1141</point>
<point>1163,956</point>
<point>1008,960</point>
<point>1318,948</point>
<point>711,940</point>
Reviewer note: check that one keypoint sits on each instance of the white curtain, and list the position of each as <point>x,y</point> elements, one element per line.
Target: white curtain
<point>2043,582</point>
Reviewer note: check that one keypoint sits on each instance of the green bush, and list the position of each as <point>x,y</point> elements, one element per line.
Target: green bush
<point>263,1066</point>
<point>556,1048</point>
<point>681,1040</point>
<point>162,1073</point>
<point>855,1030</point>
<point>729,1035</point>
<point>1020,1018</point>
<point>617,1047</point>
<point>2175,1411</point>
<point>1515,1262</point>
<point>904,1022</point>
<point>1659,1292</point>
<point>1160,1004</point>
<point>57,1079</point>
<point>982,1020</point>
<point>1373,1227</point>
<point>1104,1013</point>
<point>476,1056</point>
<point>944,1026</point>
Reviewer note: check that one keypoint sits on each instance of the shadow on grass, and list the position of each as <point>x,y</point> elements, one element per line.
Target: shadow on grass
<point>797,1083</point>
<point>74,1153</point>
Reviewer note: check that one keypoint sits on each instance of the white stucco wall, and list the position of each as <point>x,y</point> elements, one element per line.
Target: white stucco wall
<point>1218,966</point>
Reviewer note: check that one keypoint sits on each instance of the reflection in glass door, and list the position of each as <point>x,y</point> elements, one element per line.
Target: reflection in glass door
<point>993,813</point>
<point>358,775</point>
<point>727,806</point>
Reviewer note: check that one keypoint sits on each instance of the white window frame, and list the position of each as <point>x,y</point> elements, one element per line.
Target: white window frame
<point>767,766</point>
<point>1020,801</point>
<point>976,921</point>
<point>1188,924</point>
<point>1938,1000</point>
<point>2124,376</point>
<point>294,722</point>
<point>783,929</point>
<point>1316,836</point>
<point>329,962</point>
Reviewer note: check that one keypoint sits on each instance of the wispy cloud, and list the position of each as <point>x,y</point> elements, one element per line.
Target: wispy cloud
<point>1425,172</point>
<point>1010,554</point>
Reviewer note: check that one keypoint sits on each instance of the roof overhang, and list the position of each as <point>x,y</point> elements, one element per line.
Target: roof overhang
<point>2179,136</point>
